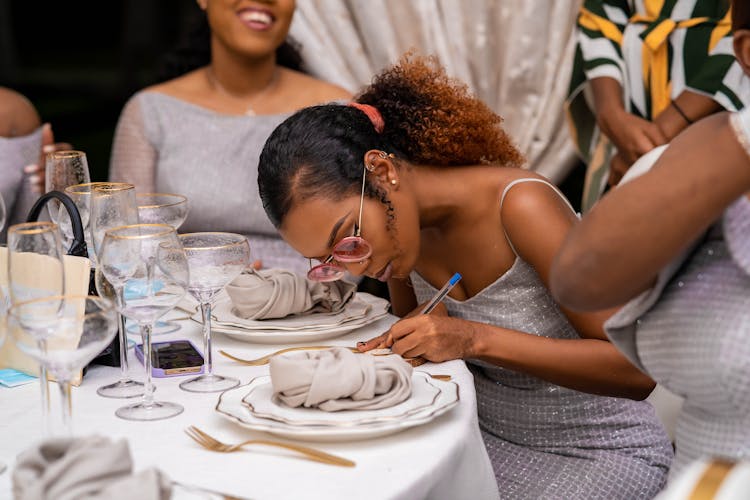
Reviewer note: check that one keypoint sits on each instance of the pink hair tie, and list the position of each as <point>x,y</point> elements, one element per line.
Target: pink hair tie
<point>372,113</point>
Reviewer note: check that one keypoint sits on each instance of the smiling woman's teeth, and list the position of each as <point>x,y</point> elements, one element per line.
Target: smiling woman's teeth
<point>256,17</point>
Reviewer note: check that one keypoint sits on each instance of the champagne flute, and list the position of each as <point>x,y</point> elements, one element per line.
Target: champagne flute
<point>146,265</point>
<point>35,271</point>
<point>63,169</point>
<point>161,208</point>
<point>63,333</point>
<point>215,259</point>
<point>108,205</point>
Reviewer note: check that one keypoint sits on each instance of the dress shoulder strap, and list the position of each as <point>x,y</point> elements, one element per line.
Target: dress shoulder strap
<point>530,179</point>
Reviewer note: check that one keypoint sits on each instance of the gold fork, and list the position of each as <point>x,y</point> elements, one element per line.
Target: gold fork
<point>265,359</point>
<point>214,444</point>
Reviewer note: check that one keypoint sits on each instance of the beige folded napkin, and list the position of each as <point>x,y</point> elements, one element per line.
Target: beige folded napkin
<point>276,293</point>
<point>338,379</point>
<point>89,468</point>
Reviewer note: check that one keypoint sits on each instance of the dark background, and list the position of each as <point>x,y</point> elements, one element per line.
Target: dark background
<point>79,61</point>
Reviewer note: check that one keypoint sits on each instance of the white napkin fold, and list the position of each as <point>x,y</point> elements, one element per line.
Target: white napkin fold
<point>276,293</point>
<point>338,379</point>
<point>89,468</point>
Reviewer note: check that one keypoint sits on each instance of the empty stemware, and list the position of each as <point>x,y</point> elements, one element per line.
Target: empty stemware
<point>107,205</point>
<point>35,271</point>
<point>161,208</point>
<point>63,169</point>
<point>215,259</point>
<point>146,265</point>
<point>63,333</point>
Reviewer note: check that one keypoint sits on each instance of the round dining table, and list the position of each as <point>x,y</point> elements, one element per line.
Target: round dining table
<point>444,458</point>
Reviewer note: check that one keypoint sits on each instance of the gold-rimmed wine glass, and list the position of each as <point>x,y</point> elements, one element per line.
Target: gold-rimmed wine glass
<point>147,267</point>
<point>215,260</point>
<point>161,208</point>
<point>108,205</point>
<point>63,333</point>
<point>35,271</point>
<point>62,169</point>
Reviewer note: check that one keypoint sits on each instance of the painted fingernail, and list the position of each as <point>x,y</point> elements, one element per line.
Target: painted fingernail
<point>31,169</point>
<point>34,179</point>
<point>49,148</point>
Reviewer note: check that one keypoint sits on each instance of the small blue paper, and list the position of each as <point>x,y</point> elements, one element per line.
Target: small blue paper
<point>138,288</point>
<point>12,378</point>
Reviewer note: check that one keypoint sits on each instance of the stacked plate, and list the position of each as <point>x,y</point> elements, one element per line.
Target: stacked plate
<point>361,310</point>
<point>254,406</point>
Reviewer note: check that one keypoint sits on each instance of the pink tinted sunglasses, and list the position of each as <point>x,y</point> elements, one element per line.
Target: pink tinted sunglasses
<point>350,249</point>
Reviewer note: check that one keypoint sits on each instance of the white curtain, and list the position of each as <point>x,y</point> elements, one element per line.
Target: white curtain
<point>516,55</point>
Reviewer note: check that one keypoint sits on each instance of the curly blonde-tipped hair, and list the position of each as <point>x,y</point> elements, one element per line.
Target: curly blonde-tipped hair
<point>434,119</point>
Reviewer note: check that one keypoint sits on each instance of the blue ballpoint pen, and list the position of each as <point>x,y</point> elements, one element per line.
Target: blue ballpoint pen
<point>432,304</point>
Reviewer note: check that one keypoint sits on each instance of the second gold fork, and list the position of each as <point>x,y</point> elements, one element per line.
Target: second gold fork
<point>214,444</point>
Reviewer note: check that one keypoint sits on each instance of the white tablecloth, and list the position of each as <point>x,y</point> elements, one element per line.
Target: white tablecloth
<point>444,459</point>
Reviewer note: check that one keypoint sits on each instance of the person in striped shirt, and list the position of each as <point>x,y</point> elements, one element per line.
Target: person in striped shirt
<point>644,70</point>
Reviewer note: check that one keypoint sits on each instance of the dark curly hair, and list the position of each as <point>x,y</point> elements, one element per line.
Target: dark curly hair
<point>193,51</point>
<point>429,119</point>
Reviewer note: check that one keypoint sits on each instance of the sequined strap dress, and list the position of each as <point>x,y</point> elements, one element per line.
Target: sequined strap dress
<point>547,441</point>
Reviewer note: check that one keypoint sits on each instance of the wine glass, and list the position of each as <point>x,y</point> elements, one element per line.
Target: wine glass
<point>35,271</point>
<point>63,169</point>
<point>147,267</point>
<point>80,194</point>
<point>63,333</point>
<point>107,205</point>
<point>161,208</point>
<point>215,260</point>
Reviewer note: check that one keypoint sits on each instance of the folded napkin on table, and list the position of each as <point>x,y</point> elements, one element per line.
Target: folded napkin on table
<point>90,468</point>
<point>338,379</point>
<point>276,293</point>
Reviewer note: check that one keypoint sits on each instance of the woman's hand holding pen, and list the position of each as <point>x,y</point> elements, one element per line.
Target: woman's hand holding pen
<point>435,337</point>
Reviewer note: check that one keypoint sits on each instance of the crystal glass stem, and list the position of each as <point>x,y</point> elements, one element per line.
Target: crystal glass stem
<point>207,355</point>
<point>148,386</point>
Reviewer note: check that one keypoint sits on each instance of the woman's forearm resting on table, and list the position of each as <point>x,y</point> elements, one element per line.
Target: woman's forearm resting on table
<point>618,248</point>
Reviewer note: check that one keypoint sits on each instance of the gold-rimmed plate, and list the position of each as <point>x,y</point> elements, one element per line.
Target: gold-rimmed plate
<point>362,310</point>
<point>263,404</point>
<point>232,406</point>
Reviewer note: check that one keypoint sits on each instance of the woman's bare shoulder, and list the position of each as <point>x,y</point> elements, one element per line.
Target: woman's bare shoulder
<point>18,116</point>
<point>184,87</point>
<point>312,90</point>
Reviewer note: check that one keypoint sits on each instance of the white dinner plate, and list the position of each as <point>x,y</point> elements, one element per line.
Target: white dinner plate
<point>231,406</point>
<point>262,404</point>
<point>299,329</point>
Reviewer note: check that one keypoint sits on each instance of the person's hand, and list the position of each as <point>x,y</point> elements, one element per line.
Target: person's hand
<point>35,172</point>
<point>436,338</point>
<point>385,340</point>
<point>633,136</point>
<point>617,169</point>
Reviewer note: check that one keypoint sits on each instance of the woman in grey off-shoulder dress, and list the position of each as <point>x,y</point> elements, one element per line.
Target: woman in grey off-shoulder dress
<point>200,133</point>
<point>207,156</point>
